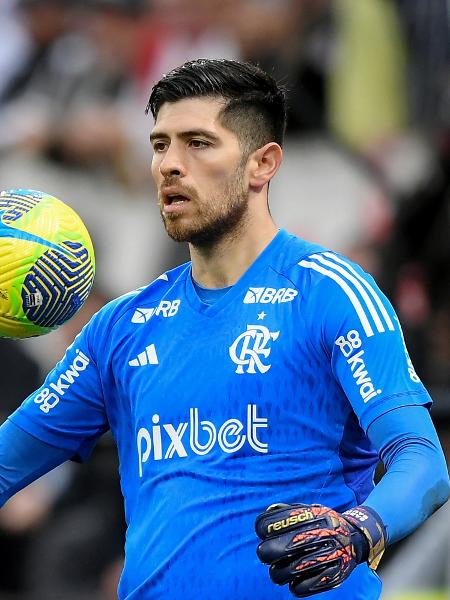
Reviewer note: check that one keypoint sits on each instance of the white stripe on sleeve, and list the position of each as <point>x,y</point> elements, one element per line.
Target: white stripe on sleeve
<point>358,286</point>
<point>372,291</point>
<point>348,291</point>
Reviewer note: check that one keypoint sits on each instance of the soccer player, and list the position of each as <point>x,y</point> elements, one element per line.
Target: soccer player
<point>251,391</point>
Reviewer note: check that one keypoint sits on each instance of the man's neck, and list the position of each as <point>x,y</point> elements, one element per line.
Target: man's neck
<point>224,262</point>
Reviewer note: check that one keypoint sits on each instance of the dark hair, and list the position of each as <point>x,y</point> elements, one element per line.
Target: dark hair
<point>255,105</point>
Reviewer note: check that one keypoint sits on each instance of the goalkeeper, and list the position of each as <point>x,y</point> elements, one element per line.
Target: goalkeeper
<point>253,388</point>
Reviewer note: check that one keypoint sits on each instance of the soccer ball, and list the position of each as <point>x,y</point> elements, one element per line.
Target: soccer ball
<point>47,263</point>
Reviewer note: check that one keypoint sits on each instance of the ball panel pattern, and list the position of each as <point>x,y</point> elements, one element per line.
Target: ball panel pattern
<point>16,205</point>
<point>57,285</point>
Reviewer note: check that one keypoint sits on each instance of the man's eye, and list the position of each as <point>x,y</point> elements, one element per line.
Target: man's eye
<point>159,146</point>
<point>199,143</point>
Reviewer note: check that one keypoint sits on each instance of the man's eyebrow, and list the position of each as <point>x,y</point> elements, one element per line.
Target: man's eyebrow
<point>158,135</point>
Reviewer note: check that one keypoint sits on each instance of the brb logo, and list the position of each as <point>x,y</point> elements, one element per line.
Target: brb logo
<point>165,441</point>
<point>48,399</point>
<point>267,295</point>
<point>249,348</point>
<point>166,308</point>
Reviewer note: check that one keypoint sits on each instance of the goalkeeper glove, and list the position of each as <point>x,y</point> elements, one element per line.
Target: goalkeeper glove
<point>314,548</point>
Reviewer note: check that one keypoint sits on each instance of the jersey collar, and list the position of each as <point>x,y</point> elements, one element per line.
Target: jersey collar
<point>240,287</point>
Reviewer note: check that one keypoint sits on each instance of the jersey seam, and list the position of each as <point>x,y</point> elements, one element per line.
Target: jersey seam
<point>400,394</point>
<point>367,417</point>
<point>296,263</point>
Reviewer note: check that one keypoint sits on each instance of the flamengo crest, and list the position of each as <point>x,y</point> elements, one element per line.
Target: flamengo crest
<point>250,348</point>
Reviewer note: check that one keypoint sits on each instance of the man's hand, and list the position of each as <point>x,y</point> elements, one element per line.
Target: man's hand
<point>314,548</point>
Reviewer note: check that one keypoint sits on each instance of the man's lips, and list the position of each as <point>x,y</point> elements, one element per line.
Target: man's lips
<point>173,195</point>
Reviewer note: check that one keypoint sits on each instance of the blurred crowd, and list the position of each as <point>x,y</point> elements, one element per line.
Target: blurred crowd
<point>366,172</point>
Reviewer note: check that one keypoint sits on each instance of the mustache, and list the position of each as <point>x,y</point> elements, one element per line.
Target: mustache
<point>175,182</point>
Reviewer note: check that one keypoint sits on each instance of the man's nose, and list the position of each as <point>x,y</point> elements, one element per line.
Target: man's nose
<point>172,163</point>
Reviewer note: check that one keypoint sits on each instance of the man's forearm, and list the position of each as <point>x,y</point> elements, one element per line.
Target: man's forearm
<point>23,459</point>
<point>416,482</point>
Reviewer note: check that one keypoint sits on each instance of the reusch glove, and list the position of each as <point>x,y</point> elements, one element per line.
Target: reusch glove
<point>314,548</point>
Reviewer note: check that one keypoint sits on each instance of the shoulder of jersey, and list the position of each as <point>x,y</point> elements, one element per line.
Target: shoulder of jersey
<point>297,250</point>
<point>305,262</point>
<point>341,280</point>
<point>145,295</point>
<point>323,265</point>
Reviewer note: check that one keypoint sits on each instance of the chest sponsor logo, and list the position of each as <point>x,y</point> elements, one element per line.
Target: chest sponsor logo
<point>196,436</point>
<point>49,397</point>
<point>251,348</point>
<point>267,295</point>
<point>350,346</point>
<point>166,308</point>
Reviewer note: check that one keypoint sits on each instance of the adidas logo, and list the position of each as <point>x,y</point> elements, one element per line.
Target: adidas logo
<point>148,357</point>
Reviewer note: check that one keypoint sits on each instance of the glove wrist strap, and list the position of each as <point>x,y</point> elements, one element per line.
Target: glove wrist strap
<point>369,523</point>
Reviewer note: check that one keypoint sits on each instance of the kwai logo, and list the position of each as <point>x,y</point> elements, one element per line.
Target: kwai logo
<point>164,442</point>
<point>267,295</point>
<point>48,399</point>
<point>166,308</point>
<point>348,346</point>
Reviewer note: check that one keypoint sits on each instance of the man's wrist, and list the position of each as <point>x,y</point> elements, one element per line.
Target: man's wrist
<point>369,523</point>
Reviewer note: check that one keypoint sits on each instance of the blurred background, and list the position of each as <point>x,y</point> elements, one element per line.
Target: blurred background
<point>366,172</point>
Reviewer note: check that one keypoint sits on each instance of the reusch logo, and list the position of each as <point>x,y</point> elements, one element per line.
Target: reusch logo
<point>296,517</point>
<point>267,295</point>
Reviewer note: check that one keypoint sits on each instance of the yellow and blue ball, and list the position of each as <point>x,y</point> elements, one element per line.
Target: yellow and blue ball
<point>47,263</point>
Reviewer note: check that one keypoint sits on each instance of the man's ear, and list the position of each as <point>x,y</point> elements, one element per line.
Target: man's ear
<point>263,164</point>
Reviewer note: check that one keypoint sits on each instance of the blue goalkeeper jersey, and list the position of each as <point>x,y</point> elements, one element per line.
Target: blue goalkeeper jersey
<point>221,410</point>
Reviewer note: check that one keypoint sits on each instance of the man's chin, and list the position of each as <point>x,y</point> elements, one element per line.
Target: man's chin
<point>176,231</point>
<point>210,229</point>
<point>197,237</point>
<point>178,236</point>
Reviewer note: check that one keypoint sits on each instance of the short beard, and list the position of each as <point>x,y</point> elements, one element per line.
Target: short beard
<point>223,216</point>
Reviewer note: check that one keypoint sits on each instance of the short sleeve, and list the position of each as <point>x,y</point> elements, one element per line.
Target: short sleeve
<point>68,410</point>
<point>362,337</point>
